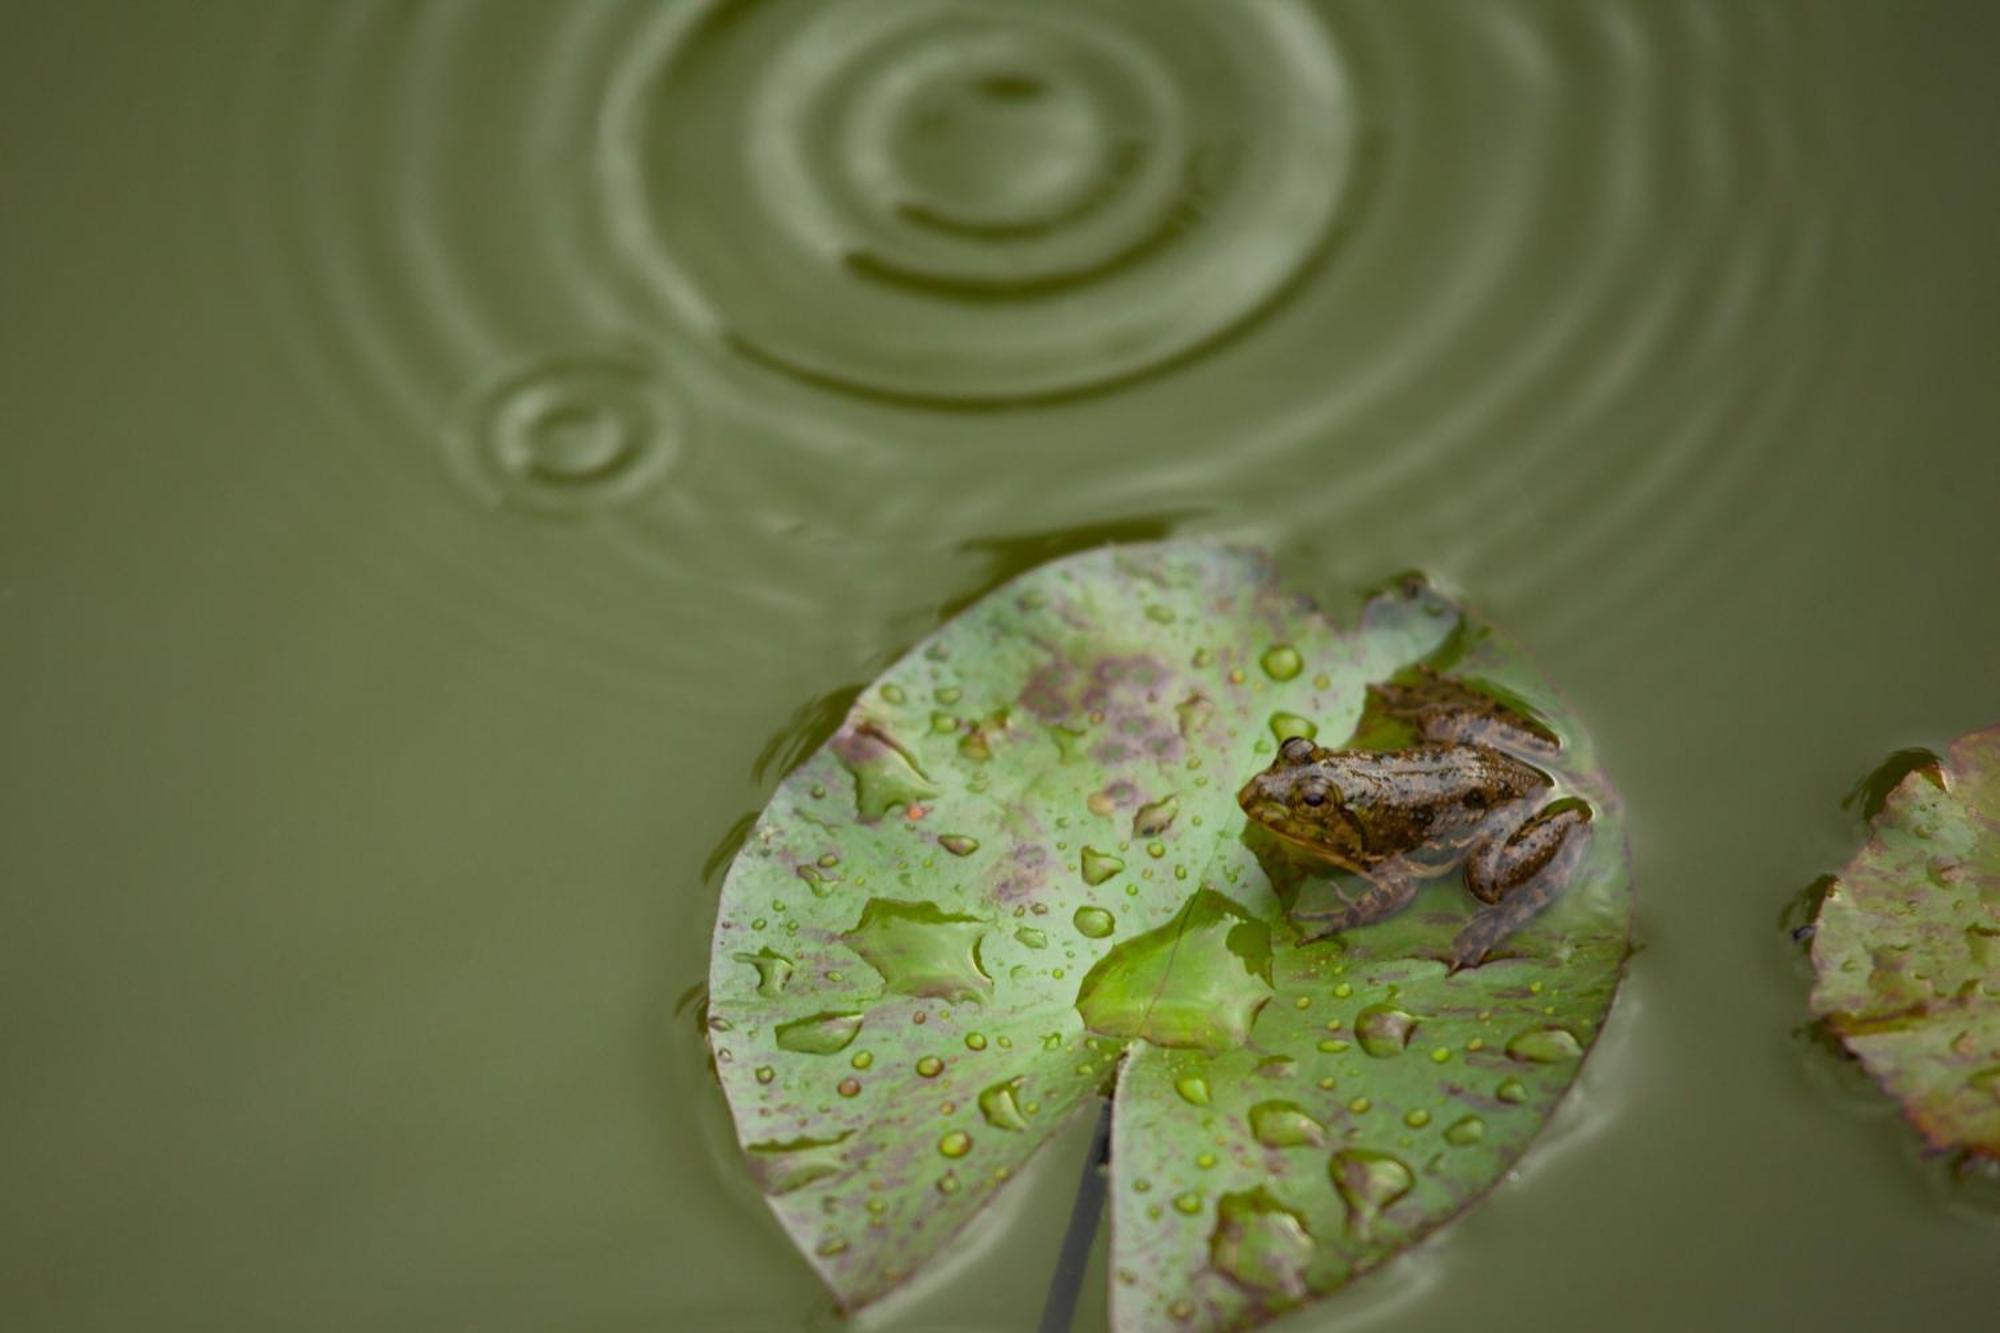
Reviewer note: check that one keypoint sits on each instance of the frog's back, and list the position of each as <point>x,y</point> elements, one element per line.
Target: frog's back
<point>1431,800</point>
<point>1436,774</point>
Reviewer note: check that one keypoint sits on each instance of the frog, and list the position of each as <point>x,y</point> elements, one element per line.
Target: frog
<point>1463,793</point>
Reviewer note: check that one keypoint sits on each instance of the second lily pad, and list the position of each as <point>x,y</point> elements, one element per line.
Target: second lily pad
<point>1906,949</point>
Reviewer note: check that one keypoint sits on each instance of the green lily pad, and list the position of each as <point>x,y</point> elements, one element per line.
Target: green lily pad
<point>1906,947</point>
<point>1016,880</point>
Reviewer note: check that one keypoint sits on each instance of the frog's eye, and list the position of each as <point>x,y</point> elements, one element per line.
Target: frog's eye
<point>1313,793</point>
<point>1296,750</point>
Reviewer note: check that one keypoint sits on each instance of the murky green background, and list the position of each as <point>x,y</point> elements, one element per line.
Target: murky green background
<point>446,444</point>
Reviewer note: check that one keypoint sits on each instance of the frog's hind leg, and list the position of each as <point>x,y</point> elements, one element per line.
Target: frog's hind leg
<point>1446,711</point>
<point>1519,876</point>
<point>1384,896</point>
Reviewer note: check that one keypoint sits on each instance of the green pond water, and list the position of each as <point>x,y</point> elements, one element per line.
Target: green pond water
<point>454,450</point>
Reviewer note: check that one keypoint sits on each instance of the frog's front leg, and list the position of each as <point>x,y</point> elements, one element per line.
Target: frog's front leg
<point>1518,873</point>
<point>1389,890</point>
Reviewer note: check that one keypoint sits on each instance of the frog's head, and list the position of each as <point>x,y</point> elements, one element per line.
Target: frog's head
<point>1298,798</point>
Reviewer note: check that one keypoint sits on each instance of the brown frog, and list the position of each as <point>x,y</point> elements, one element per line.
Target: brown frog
<point>1461,794</point>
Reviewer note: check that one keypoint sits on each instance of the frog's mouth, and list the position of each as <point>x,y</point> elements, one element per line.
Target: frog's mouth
<point>1259,804</point>
<point>1271,813</point>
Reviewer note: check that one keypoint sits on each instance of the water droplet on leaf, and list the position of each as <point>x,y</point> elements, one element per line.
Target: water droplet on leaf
<point>1384,1030</point>
<point>1193,713</point>
<point>921,950</point>
<point>1368,1182</point>
<point>1260,1244</point>
<point>773,971</point>
<point>1467,1131</point>
<point>1197,981</point>
<point>821,1034</point>
<point>1150,821</point>
<point>1281,661</point>
<point>1545,1046</point>
<point>1284,726</point>
<point>886,774</point>
<point>1094,922</point>
<point>1099,866</point>
<point>997,1104</point>
<point>781,1168</point>
<point>1282,1124</point>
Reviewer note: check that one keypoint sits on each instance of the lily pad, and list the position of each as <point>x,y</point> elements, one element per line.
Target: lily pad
<point>1016,880</point>
<point>1906,949</point>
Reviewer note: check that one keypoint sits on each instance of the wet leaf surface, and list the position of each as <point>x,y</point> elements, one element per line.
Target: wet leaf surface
<point>1016,880</point>
<point>1906,946</point>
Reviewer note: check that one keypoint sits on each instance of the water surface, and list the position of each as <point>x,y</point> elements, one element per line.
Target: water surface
<point>449,443</point>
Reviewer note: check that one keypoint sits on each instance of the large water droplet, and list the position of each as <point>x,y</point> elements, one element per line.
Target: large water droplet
<point>773,971</point>
<point>1094,922</point>
<point>1384,1030</point>
<point>1193,1089</point>
<point>781,1168</point>
<point>1368,1182</point>
<point>997,1104</point>
<point>821,1034</point>
<point>1512,1090</point>
<point>930,1066</point>
<point>1282,1124</point>
<point>1284,726</point>
<point>1031,938</point>
<point>1196,981</point>
<point>1261,1244</point>
<point>1281,661</point>
<point>1465,1132</point>
<point>958,844</point>
<point>1150,821</point>
<point>818,880</point>
<point>886,773</point>
<point>955,1144</point>
<point>1544,1046</point>
<point>1099,866</point>
<point>921,949</point>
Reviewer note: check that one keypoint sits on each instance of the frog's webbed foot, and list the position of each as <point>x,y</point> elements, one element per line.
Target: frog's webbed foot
<point>1385,895</point>
<point>1518,877</point>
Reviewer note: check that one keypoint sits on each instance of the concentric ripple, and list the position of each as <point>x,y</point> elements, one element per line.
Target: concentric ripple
<point>571,435</point>
<point>958,202</point>
<point>1531,295</point>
